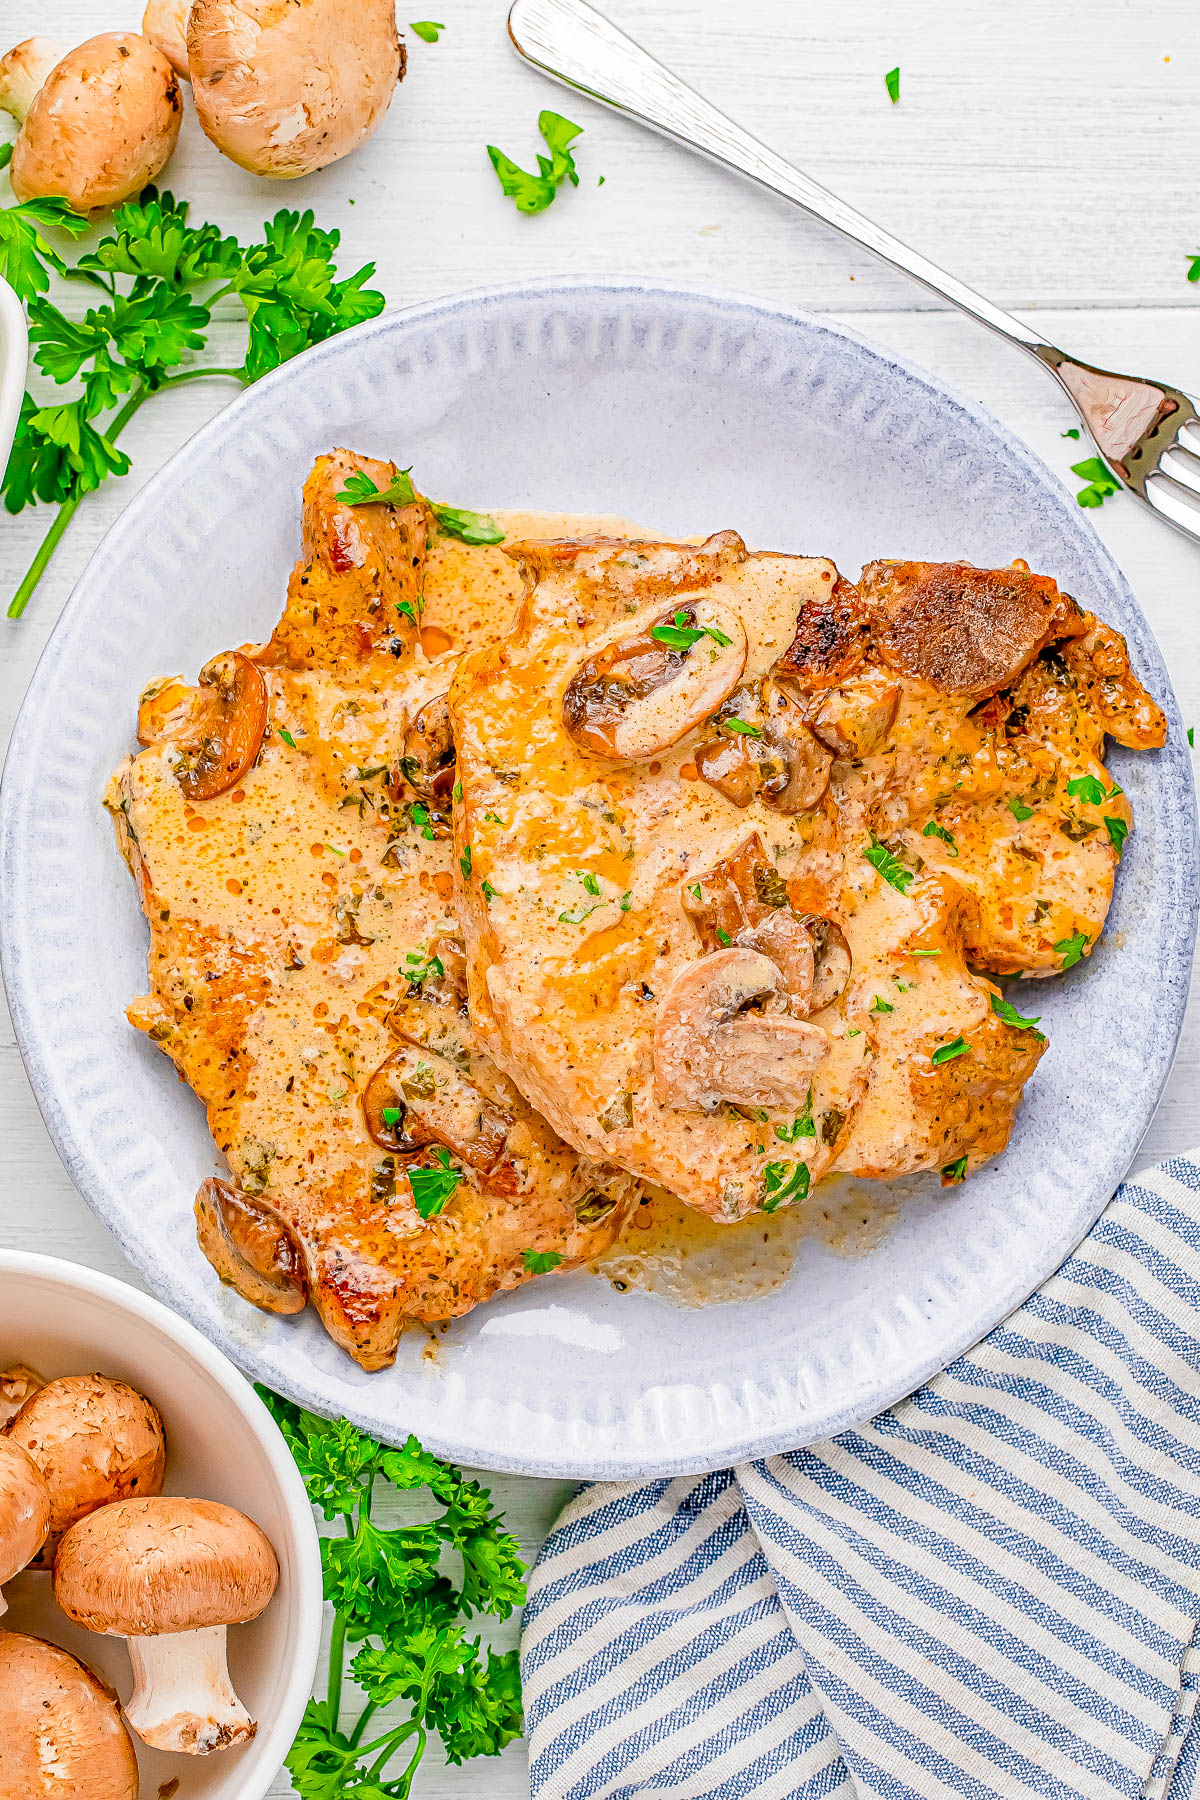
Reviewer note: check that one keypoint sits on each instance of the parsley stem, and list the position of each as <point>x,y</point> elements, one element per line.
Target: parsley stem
<point>368,1713</point>
<point>69,508</point>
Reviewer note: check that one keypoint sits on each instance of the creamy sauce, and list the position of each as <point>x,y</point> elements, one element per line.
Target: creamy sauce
<point>682,1256</point>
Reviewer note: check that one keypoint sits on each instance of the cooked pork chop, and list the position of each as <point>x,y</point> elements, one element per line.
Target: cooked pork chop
<point>736,844</point>
<point>288,826</point>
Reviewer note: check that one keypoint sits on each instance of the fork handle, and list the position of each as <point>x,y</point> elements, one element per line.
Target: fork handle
<point>571,41</point>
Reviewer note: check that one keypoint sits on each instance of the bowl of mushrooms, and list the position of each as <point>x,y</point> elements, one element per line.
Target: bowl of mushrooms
<point>160,1579</point>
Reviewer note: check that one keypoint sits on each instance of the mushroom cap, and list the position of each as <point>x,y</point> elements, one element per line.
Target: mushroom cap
<point>283,89</point>
<point>24,1509</point>
<point>61,1736</point>
<point>164,22</point>
<point>95,1440</point>
<point>142,1568</point>
<point>17,1382</point>
<point>23,70</point>
<point>101,125</point>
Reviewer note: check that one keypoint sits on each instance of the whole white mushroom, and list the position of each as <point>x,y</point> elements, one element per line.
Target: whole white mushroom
<point>284,90</point>
<point>96,124</point>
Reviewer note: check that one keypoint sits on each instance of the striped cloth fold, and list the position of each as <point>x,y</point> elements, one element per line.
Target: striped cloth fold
<point>991,1591</point>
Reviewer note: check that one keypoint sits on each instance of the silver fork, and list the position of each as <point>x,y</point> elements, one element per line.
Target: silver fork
<point>1147,432</point>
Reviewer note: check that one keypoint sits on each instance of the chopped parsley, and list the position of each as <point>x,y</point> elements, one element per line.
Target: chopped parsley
<point>879,1005</point>
<point>627,900</point>
<point>456,794</point>
<point>426,29</point>
<point>1102,484</point>
<point>287,737</point>
<point>1089,790</point>
<point>889,866</point>
<point>421,819</point>
<point>947,1052</point>
<point>405,609</point>
<point>891,82</point>
<point>1072,431</point>
<point>392,1117</point>
<point>488,891</point>
<point>590,883</point>
<point>1018,808</point>
<point>464,862</point>
<point>694,890</point>
<point>934,830</point>
<point>954,1172</point>
<point>927,953</point>
<point>1009,1014</point>
<point>1192,736</point>
<point>540,1262</point>
<point>801,1127</point>
<point>1071,949</point>
<point>467,527</point>
<point>740,728</point>
<point>783,1183</point>
<point>335,850</point>
<point>1117,830</point>
<point>577,914</point>
<point>1193,273</point>
<point>724,937</point>
<point>534,193</point>
<point>360,490</point>
<point>681,635</point>
<point>419,968</point>
<point>432,1188</point>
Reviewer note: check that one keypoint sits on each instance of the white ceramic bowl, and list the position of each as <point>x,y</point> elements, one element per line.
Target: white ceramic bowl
<point>222,1444</point>
<point>14,350</point>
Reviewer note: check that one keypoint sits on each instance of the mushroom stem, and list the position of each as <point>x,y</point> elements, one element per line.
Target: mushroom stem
<point>183,1699</point>
<point>23,71</point>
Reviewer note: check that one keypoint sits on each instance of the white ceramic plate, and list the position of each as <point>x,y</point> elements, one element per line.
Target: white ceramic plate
<point>688,411</point>
<point>222,1444</point>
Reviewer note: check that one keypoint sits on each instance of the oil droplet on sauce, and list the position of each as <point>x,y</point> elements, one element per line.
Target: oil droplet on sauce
<point>682,1256</point>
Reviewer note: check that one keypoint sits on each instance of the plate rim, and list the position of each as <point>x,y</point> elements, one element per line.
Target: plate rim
<point>827,1419</point>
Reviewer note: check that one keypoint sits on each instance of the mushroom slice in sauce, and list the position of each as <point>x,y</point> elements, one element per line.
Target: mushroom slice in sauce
<point>252,1247</point>
<point>225,731</point>
<point>428,761</point>
<point>854,720</point>
<point>709,1046</point>
<point>778,762</point>
<point>637,694</point>
<point>416,1098</point>
<point>743,901</point>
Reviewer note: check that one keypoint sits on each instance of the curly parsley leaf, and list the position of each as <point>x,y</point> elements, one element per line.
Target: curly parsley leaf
<point>428,30</point>
<point>433,1188</point>
<point>896,873</point>
<point>540,1262</point>
<point>534,193</point>
<point>1088,789</point>
<point>1117,830</point>
<point>26,257</point>
<point>681,635</point>
<point>1004,1010</point>
<point>782,1183</point>
<point>1018,808</point>
<point>736,727</point>
<point>892,83</point>
<point>360,490</point>
<point>954,1172</point>
<point>1102,484</point>
<point>467,527</point>
<point>934,830</point>
<point>1071,949</point>
<point>948,1052</point>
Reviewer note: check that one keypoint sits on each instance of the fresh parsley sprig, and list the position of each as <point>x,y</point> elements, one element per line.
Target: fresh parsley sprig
<point>453,521</point>
<point>1102,484</point>
<point>395,1602</point>
<point>161,278</point>
<point>534,193</point>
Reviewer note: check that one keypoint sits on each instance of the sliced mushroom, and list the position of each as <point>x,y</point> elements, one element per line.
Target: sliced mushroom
<point>854,720</point>
<point>710,1047</point>
<point>252,1247</point>
<point>428,760</point>
<point>777,760</point>
<point>226,730</point>
<point>416,1098</point>
<point>637,694</point>
<point>96,124</point>
<point>743,901</point>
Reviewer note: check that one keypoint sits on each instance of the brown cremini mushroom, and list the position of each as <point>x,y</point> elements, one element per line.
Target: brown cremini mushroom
<point>95,1440</point>
<point>96,124</point>
<point>417,1098</point>
<point>24,1511</point>
<point>854,719</point>
<point>284,90</point>
<point>61,1736</point>
<point>251,1247</point>
<point>428,759</point>
<point>170,1576</point>
<point>17,1382</point>
<point>743,901</point>
<point>709,1045</point>
<point>164,22</point>
<point>225,727</point>
<point>644,686</point>
<point>765,751</point>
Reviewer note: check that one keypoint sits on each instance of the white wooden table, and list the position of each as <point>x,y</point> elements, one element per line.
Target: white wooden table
<point>1043,151</point>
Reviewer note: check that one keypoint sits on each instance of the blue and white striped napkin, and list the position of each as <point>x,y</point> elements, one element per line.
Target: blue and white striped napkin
<point>990,1591</point>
